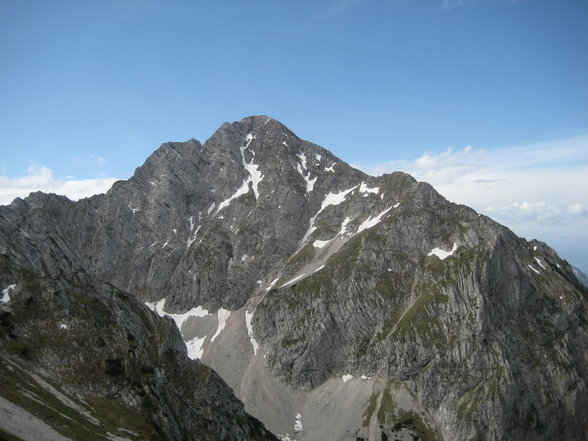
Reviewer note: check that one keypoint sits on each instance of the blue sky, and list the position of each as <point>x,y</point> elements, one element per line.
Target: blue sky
<point>88,89</point>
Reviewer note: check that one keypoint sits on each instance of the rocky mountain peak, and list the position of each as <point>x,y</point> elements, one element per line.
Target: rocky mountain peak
<point>318,291</point>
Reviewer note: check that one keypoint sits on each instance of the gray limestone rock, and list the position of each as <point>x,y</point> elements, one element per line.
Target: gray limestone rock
<point>471,331</point>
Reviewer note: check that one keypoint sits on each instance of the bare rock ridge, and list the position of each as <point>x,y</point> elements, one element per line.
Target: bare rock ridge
<point>336,305</point>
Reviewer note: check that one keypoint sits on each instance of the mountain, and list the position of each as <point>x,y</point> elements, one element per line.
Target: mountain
<point>582,278</point>
<point>82,360</point>
<point>336,305</point>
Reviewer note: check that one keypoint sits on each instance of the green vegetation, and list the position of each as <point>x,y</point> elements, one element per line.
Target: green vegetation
<point>415,424</point>
<point>5,436</point>
<point>29,281</point>
<point>75,421</point>
<point>369,411</point>
<point>484,391</point>
<point>290,340</point>
<point>386,409</point>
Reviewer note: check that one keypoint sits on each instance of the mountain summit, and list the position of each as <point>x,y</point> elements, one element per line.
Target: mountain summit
<point>336,305</point>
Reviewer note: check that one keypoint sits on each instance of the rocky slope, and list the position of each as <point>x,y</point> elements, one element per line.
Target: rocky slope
<point>92,363</point>
<point>335,304</point>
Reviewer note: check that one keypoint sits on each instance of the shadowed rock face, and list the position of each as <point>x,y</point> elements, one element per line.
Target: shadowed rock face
<point>103,365</point>
<point>465,330</point>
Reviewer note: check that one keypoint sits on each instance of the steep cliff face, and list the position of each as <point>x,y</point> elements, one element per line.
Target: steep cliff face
<point>329,298</point>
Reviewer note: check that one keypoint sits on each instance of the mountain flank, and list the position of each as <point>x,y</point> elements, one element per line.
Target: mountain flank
<point>335,305</point>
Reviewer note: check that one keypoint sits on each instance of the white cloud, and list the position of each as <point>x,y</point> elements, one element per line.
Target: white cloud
<point>43,179</point>
<point>539,190</point>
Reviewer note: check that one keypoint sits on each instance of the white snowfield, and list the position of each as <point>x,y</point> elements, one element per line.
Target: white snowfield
<point>534,269</point>
<point>442,254</point>
<point>372,221</point>
<point>347,377</point>
<point>298,423</point>
<point>305,173</point>
<point>255,176</point>
<point>540,263</point>
<point>222,315</point>
<point>271,285</point>
<point>6,293</point>
<point>195,346</point>
<point>367,190</point>
<point>248,318</point>
<point>330,199</point>
<point>365,225</point>
<point>192,239</point>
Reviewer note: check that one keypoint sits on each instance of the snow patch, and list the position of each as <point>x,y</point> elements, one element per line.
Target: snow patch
<point>330,199</point>
<point>302,158</point>
<point>192,239</point>
<point>244,189</point>
<point>442,254</point>
<point>372,221</point>
<point>271,285</point>
<point>534,269</point>
<point>223,316</point>
<point>347,377</point>
<point>248,318</point>
<point>318,269</point>
<point>134,210</point>
<point>540,263</point>
<point>396,205</point>
<point>331,168</point>
<point>255,176</point>
<point>63,326</point>
<point>295,279</point>
<point>318,157</point>
<point>195,347</point>
<point>211,208</point>
<point>6,293</point>
<point>180,318</point>
<point>302,168</point>
<point>344,224</point>
<point>365,377</point>
<point>298,423</point>
<point>320,243</point>
<point>367,190</point>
